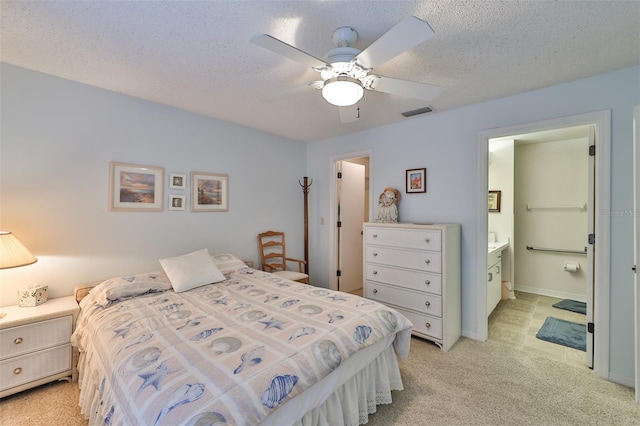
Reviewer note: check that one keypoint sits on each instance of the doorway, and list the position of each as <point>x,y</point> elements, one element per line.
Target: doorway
<point>601,122</point>
<point>538,237</point>
<point>350,208</point>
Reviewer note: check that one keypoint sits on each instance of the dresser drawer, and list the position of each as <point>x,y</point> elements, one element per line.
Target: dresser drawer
<point>35,336</point>
<point>419,239</point>
<point>415,280</point>
<point>423,324</point>
<point>27,368</point>
<point>421,260</point>
<point>421,302</point>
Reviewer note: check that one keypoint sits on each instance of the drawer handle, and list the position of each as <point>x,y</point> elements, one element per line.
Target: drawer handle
<point>375,254</point>
<point>427,282</point>
<point>18,340</point>
<point>17,371</point>
<point>427,303</point>
<point>428,261</point>
<point>375,291</point>
<point>375,235</point>
<point>426,240</point>
<point>428,325</point>
<point>375,272</point>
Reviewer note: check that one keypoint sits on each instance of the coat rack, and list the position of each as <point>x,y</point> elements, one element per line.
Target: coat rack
<point>305,190</point>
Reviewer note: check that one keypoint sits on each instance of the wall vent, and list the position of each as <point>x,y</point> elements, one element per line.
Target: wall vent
<point>418,111</point>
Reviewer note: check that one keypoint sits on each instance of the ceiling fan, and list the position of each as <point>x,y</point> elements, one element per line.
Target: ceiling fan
<point>345,69</point>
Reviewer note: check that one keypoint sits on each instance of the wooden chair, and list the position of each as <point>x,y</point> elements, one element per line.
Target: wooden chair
<point>274,258</point>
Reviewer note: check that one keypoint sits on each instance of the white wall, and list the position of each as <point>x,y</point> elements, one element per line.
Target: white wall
<point>58,138</point>
<point>552,174</point>
<point>446,144</point>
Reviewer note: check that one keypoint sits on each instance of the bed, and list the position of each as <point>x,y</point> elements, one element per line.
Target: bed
<point>251,348</point>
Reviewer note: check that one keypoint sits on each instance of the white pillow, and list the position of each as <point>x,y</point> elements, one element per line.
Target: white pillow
<point>191,270</point>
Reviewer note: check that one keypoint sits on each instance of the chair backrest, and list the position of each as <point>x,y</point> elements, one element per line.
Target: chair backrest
<point>272,251</point>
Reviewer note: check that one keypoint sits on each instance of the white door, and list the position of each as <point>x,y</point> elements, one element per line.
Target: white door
<point>351,215</point>
<point>590,247</point>
<point>636,241</point>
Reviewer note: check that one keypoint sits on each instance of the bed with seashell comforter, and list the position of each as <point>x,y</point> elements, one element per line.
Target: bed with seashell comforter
<point>250,349</point>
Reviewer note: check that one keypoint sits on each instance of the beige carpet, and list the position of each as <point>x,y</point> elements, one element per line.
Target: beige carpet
<point>474,383</point>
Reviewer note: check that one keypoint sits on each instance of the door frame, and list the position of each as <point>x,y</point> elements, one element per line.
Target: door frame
<point>333,207</point>
<point>602,121</point>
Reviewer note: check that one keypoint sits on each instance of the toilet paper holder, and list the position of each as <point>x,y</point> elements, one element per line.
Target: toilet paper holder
<point>571,266</point>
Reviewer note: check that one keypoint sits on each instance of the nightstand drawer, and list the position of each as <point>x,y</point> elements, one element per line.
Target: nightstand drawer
<point>28,368</point>
<point>33,337</point>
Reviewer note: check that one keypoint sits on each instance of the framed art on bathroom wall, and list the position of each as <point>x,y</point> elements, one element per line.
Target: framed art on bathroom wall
<point>494,201</point>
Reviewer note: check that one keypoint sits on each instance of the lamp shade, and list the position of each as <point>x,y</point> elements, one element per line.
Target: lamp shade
<point>342,90</point>
<point>13,253</point>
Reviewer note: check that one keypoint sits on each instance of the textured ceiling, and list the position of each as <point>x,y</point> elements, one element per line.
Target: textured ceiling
<point>197,55</point>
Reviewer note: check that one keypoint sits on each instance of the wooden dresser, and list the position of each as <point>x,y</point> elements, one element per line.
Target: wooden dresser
<point>415,269</point>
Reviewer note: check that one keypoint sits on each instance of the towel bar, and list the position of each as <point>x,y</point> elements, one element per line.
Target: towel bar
<point>557,250</point>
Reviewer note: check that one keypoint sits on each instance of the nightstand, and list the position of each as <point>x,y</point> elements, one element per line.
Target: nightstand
<point>35,345</point>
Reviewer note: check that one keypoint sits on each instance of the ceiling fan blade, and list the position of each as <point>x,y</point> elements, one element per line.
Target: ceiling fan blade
<point>284,49</point>
<point>408,89</point>
<point>314,85</point>
<point>410,32</point>
<point>349,114</point>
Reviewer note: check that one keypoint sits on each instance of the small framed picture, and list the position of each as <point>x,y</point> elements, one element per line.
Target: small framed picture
<point>134,187</point>
<point>416,180</point>
<point>177,181</point>
<point>209,192</point>
<point>494,201</point>
<point>176,202</point>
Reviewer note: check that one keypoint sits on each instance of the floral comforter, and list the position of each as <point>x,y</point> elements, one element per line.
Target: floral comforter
<point>230,352</point>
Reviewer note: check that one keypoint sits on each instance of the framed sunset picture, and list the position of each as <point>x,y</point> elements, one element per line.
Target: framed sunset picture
<point>209,192</point>
<point>134,187</point>
<point>416,180</point>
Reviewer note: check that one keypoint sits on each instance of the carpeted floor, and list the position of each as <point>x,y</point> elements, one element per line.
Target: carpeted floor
<point>475,383</point>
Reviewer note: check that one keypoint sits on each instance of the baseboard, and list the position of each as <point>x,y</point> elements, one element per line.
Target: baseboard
<point>622,380</point>
<point>552,293</point>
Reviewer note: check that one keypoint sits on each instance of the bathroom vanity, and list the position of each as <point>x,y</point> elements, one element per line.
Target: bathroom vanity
<point>494,274</point>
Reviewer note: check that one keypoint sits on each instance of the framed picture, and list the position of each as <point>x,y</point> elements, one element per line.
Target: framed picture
<point>209,192</point>
<point>177,181</point>
<point>416,180</point>
<point>134,187</point>
<point>176,202</point>
<point>494,201</point>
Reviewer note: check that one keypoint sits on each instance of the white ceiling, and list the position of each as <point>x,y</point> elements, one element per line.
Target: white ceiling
<point>197,55</point>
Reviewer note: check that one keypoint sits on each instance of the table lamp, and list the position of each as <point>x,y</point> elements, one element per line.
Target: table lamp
<point>13,253</point>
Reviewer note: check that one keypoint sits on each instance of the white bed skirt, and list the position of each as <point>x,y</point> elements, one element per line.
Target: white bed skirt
<point>352,403</point>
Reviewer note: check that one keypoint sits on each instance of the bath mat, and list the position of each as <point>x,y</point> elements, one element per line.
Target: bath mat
<point>565,333</point>
<point>572,305</point>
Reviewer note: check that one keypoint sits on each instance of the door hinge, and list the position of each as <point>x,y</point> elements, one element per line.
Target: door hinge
<point>592,238</point>
<point>339,224</point>
<point>590,327</point>
<point>339,175</point>
<point>338,273</point>
<point>592,150</point>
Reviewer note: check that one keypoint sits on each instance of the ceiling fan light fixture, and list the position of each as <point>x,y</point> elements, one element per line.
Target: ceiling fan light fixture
<point>342,90</point>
